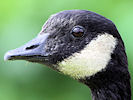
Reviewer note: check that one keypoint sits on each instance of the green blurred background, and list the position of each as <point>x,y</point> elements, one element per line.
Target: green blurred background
<point>21,20</point>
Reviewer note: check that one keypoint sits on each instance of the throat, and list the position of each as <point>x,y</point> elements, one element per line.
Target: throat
<point>111,92</point>
<point>109,89</point>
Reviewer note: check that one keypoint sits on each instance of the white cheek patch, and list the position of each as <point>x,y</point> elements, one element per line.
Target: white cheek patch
<point>92,59</point>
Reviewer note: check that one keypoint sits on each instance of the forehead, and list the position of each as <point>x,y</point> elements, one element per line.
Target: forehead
<point>69,18</point>
<point>64,21</point>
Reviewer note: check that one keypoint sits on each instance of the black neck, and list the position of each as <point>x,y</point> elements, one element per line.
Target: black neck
<point>106,86</point>
<point>116,91</point>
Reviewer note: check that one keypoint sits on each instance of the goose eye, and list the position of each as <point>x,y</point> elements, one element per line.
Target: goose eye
<point>78,31</point>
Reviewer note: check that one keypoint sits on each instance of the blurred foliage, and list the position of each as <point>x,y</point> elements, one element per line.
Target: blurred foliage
<point>21,20</point>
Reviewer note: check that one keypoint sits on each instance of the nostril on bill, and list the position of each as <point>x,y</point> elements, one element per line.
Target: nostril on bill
<point>31,47</point>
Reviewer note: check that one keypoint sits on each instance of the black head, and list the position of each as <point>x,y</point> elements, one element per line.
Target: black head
<point>67,33</point>
<point>85,46</point>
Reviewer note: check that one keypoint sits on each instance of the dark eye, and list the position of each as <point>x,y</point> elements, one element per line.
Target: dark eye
<point>78,31</point>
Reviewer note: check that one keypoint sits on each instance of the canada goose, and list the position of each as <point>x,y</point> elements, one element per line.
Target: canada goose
<point>85,46</point>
